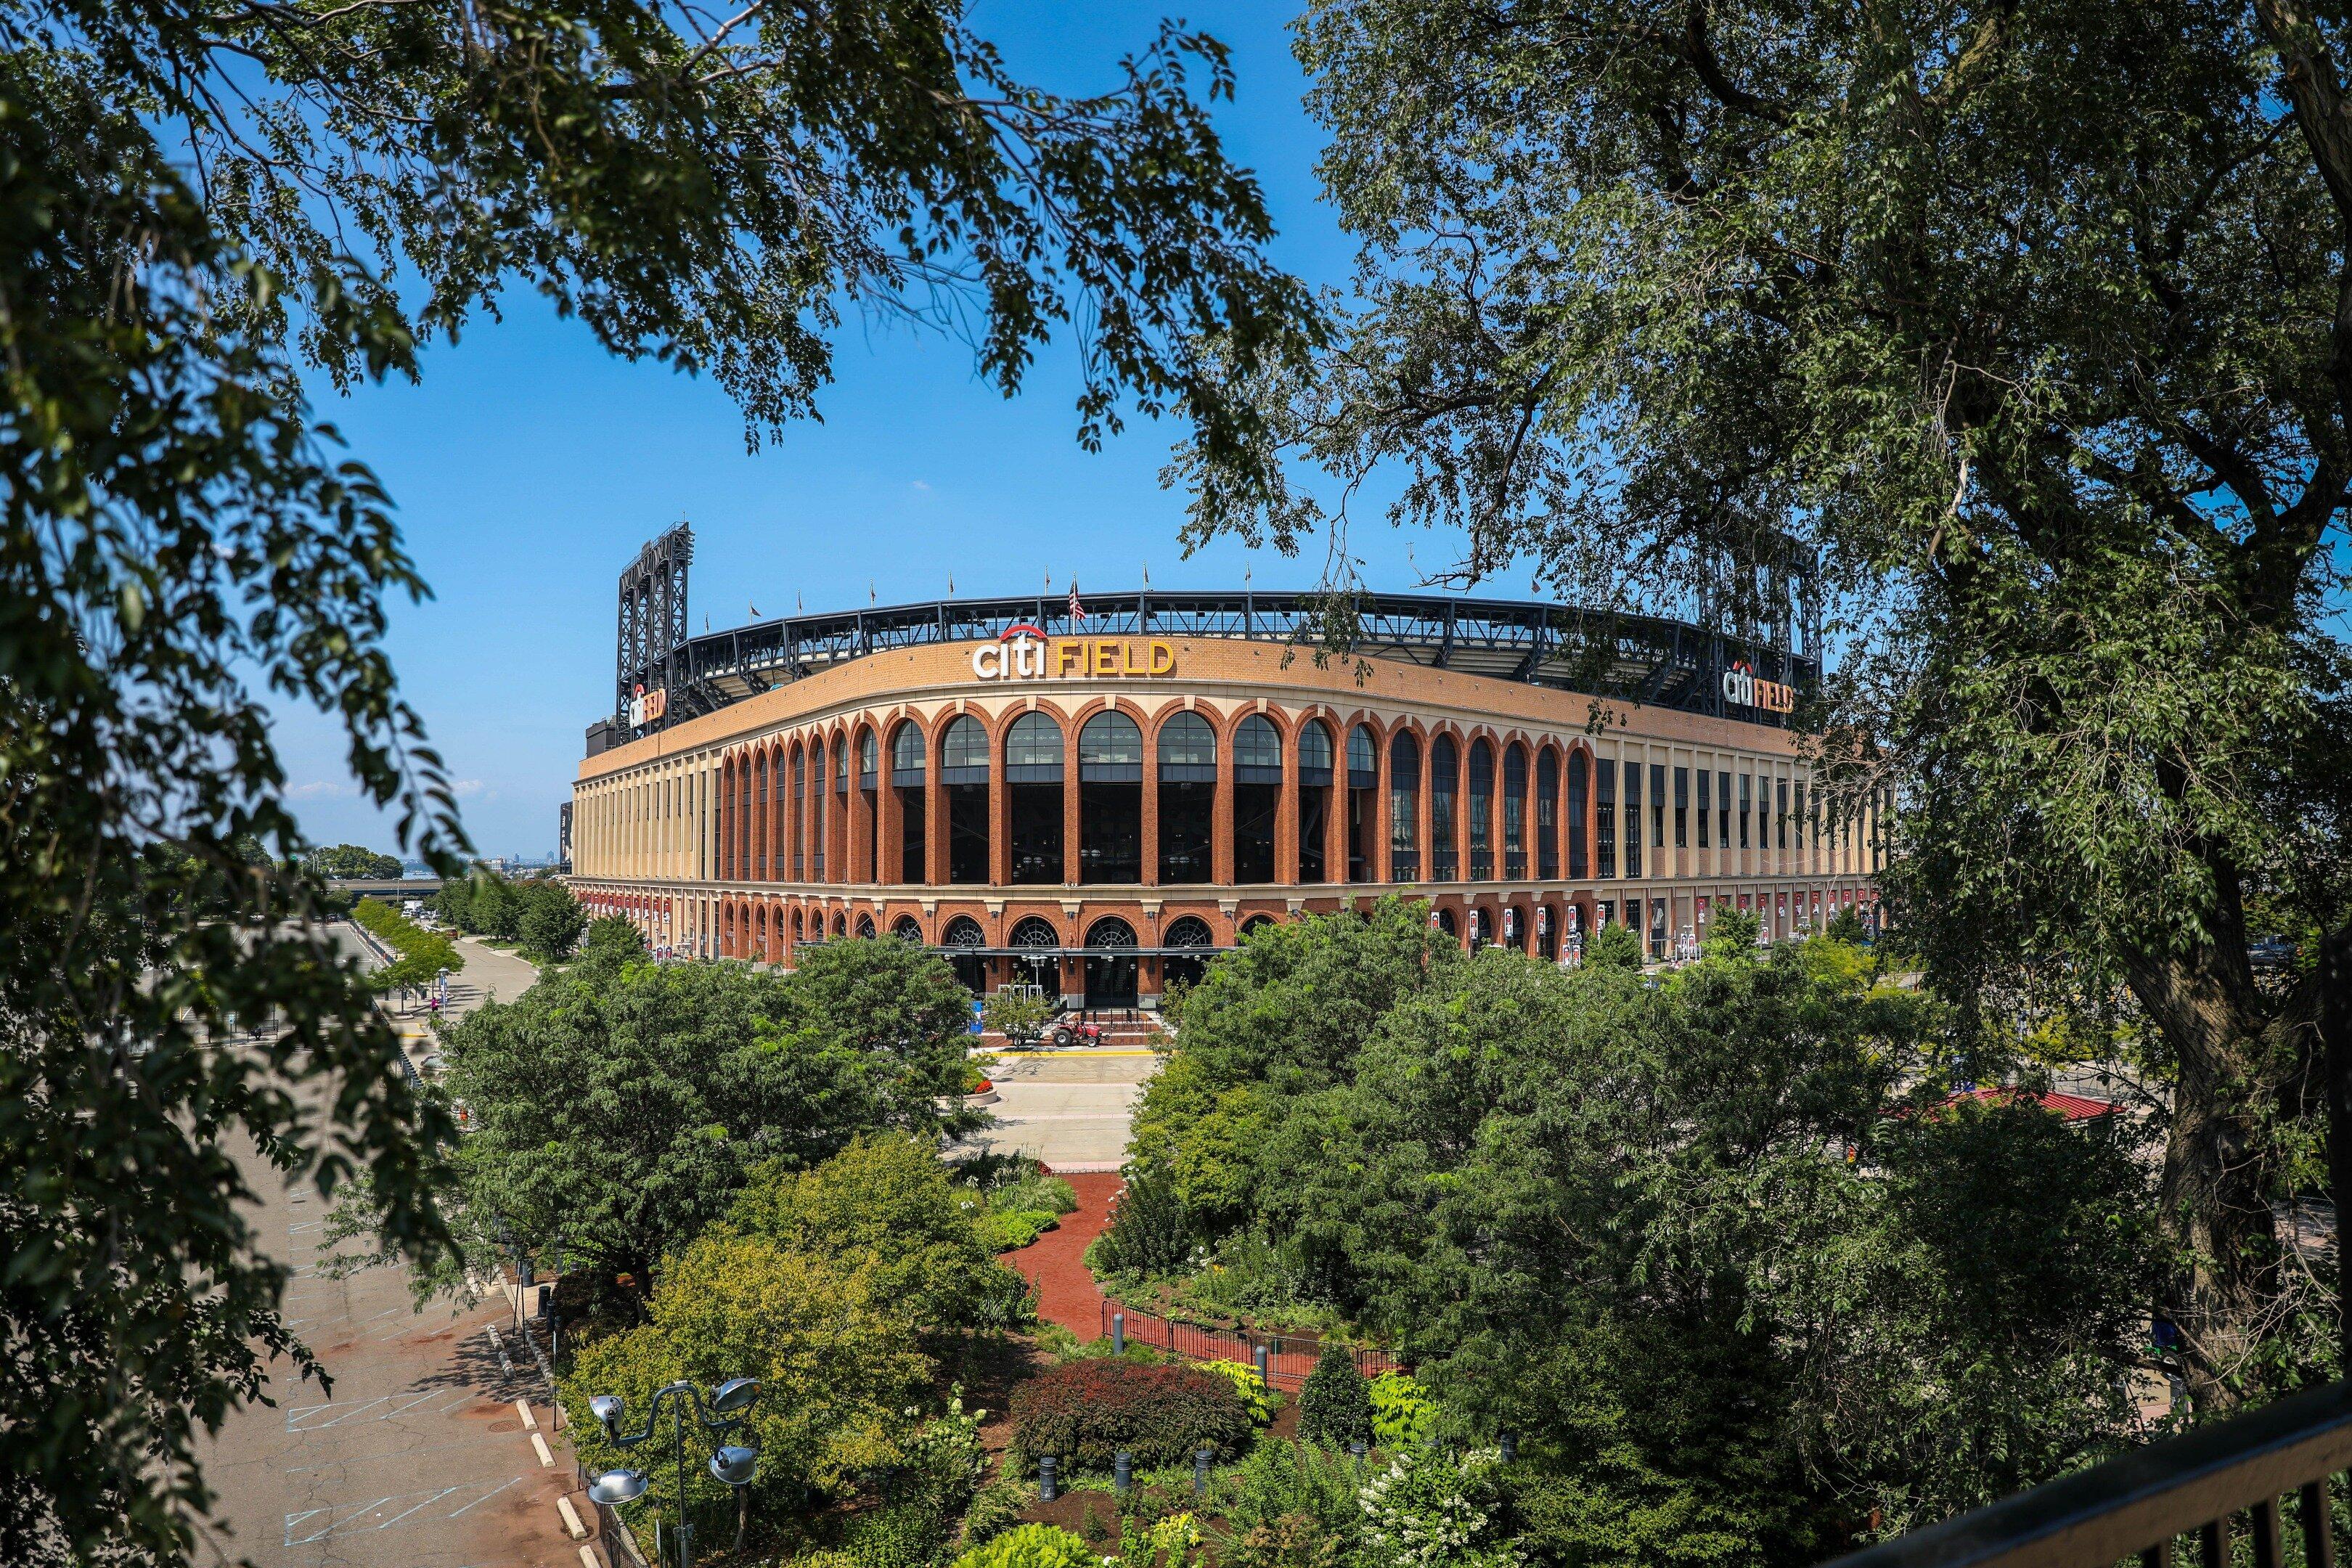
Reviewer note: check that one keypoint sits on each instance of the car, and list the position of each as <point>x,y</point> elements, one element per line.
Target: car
<point>1076,1032</point>
<point>2271,952</point>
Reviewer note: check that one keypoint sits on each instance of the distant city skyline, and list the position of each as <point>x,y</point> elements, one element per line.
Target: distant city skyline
<point>529,466</point>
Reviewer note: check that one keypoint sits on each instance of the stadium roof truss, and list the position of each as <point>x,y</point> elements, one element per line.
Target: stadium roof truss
<point>1638,658</point>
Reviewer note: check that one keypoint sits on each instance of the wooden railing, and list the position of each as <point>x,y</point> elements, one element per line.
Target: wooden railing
<point>2205,1486</point>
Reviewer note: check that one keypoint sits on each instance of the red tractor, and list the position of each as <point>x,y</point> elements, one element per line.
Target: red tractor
<point>1076,1032</point>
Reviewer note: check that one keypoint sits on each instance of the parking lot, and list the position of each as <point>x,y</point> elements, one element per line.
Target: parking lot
<point>419,1454</point>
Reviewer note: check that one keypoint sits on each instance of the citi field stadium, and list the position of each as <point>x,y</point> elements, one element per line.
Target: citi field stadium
<point>1095,803</point>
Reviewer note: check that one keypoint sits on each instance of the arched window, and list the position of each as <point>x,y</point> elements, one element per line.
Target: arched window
<point>1256,923</point>
<point>1257,797</point>
<point>869,810</point>
<point>1314,802</point>
<point>865,928</point>
<point>1404,807</point>
<point>1547,814</point>
<point>800,814</point>
<point>1036,936</point>
<point>1576,811</point>
<point>1363,804</point>
<point>1188,798</point>
<point>1191,934</point>
<point>907,784</point>
<point>840,925</point>
<point>1033,794</point>
<point>907,928</point>
<point>963,773</point>
<point>1515,814</point>
<point>1110,964</point>
<point>1110,799</point>
<point>963,932</point>
<point>817,812</point>
<point>1482,811</point>
<point>1445,780</point>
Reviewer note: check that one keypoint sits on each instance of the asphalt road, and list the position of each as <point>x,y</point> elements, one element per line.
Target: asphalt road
<point>419,1457</point>
<point>1070,1108</point>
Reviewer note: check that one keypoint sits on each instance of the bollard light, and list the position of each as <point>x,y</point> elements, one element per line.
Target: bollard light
<point>1119,1333</point>
<point>1122,1471</point>
<point>1200,1472</point>
<point>1045,1479</point>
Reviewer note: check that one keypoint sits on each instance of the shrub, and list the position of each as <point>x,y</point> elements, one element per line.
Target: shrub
<point>1033,1189</point>
<point>1281,1481</point>
<point>903,1535</point>
<point>1257,1399</point>
<point>1401,1410</point>
<point>1147,1234</point>
<point>1007,1230</point>
<point>996,1509</point>
<point>1086,1411</point>
<point>1335,1405</point>
<point>1031,1546</point>
<point>1431,1509</point>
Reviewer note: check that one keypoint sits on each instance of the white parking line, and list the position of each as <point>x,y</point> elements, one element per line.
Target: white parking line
<point>341,1518</point>
<point>299,1418</point>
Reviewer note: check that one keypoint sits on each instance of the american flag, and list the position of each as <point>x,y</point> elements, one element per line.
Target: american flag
<point>1077,611</point>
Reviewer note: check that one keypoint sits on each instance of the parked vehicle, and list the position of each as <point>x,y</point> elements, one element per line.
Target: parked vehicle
<point>1076,1032</point>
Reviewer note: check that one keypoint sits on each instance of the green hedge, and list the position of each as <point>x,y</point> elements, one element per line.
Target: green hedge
<point>422,951</point>
<point>1008,1230</point>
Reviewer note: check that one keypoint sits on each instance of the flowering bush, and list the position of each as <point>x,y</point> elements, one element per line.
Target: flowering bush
<point>1083,1412</point>
<point>1429,1509</point>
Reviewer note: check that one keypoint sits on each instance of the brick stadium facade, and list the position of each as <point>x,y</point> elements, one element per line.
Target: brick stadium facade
<point>1098,813</point>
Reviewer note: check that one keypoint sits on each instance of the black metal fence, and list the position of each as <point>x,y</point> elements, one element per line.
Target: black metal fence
<point>2201,1488</point>
<point>610,1531</point>
<point>1288,1357</point>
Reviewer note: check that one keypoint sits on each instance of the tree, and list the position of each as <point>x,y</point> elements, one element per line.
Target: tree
<point>1844,926</point>
<point>611,939</point>
<point>1019,1016</point>
<point>900,1008</point>
<point>203,204</point>
<point>883,1208</point>
<point>1653,1228</point>
<point>349,860</point>
<point>2018,327</point>
<point>1335,1405</point>
<point>1614,946</point>
<point>551,921</point>
<point>619,1111</point>
<point>836,1359</point>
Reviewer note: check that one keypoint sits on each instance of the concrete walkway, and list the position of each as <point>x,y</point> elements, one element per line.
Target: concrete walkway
<point>1070,1108</point>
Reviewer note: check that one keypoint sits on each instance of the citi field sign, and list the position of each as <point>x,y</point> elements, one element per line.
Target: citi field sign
<point>1741,686</point>
<point>1024,652</point>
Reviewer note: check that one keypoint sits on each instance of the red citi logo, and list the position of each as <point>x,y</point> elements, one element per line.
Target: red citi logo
<point>1741,685</point>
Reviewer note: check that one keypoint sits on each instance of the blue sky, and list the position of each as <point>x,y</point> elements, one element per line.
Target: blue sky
<point>528,466</point>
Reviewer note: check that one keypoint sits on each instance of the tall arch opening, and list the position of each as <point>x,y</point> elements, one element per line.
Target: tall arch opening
<point>1110,799</point>
<point>1040,962</point>
<point>1110,972</point>
<point>1314,801</point>
<point>1188,798</point>
<point>907,777</point>
<point>868,789</point>
<point>1257,797</point>
<point>800,814</point>
<point>1033,797</point>
<point>963,775</point>
<point>1444,781</point>
<point>817,811</point>
<point>961,941</point>
<point>1482,811</point>
<point>1191,933</point>
<point>1363,803</point>
<point>1404,807</point>
<point>1548,814</point>
<point>1515,814</point>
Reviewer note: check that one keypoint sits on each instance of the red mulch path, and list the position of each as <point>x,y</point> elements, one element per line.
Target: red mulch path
<point>1057,1261</point>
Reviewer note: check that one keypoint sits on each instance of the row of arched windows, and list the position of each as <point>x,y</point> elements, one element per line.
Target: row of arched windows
<point>1078,814</point>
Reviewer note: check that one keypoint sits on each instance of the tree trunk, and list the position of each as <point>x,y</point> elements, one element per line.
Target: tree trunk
<point>2218,1161</point>
<point>2334,1019</point>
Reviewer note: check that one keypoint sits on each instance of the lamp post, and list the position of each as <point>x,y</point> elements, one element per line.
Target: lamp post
<point>720,1410</point>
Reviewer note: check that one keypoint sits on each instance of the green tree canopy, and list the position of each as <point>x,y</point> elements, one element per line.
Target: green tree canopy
<point>205,204</point>
<point>884,1208</point>
<point>1614,946</point>
<point>347,860</point>
<point>1656,1230</point>
<point>2018,330</point>
<point>550,923</point>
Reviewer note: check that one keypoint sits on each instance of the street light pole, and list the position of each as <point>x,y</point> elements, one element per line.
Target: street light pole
<point>720,1410</point>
